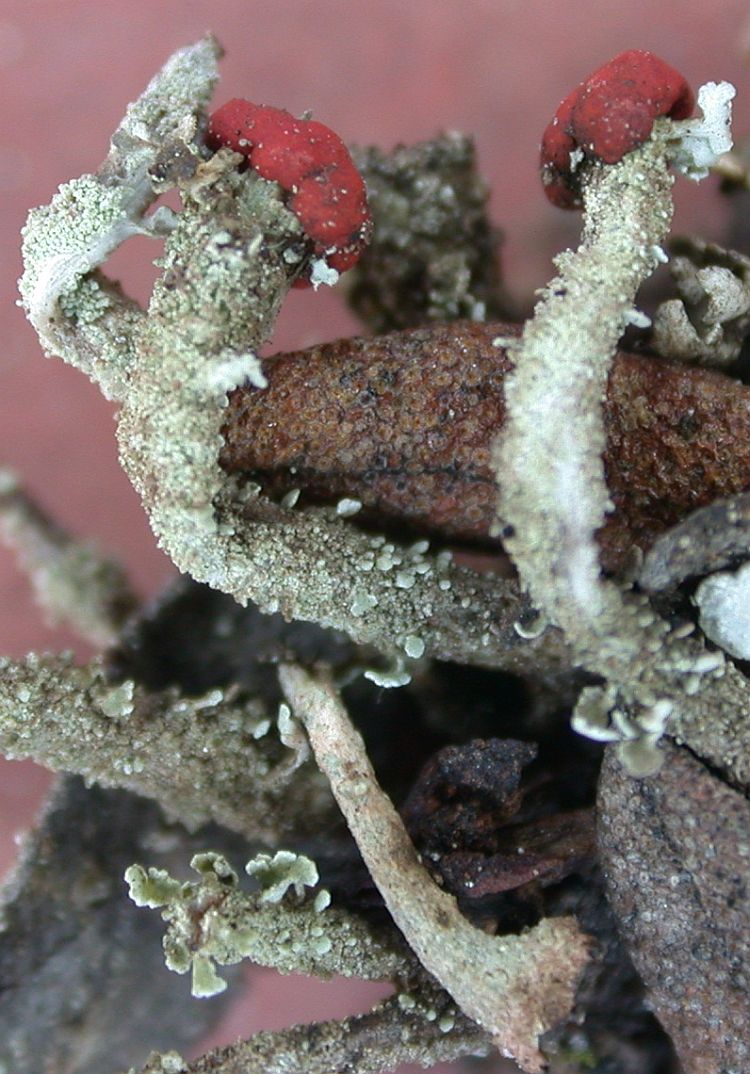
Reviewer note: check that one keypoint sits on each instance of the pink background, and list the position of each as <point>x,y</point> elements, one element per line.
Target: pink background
<point>380,71</point>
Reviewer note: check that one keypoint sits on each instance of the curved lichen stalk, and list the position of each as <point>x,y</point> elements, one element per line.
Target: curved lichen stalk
<point>554,495</point>
<point>79,314</point>
<point>231,256</point>
<point>224,278</point>
<point>516,987</point>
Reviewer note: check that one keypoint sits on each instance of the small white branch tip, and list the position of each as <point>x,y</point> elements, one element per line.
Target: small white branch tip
<point>701,141</point>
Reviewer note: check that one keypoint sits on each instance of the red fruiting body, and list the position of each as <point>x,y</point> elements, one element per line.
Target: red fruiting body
<point>310,162</point>
<point>608,115</point>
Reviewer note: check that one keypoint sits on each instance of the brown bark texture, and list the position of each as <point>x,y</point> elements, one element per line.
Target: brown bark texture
<point>677,869</point>
<point>404,423</point>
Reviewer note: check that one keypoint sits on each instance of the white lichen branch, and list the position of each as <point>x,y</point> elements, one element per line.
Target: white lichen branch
<point>227,269</point>
<point>77,313</point>
<point>696,144</point>
<point>515,987</point>
<point>553,492</point>
<point>423,1029</point>
<point>205,758</point>
<point>72,580</point>
<point>554,495</point>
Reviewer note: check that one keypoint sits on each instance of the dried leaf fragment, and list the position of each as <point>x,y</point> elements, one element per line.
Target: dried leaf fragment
<point>460,814</point>
<point>707,540</point>
<point>404,423</point>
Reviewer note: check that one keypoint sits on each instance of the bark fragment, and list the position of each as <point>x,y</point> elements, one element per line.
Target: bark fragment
<point>675,848</point>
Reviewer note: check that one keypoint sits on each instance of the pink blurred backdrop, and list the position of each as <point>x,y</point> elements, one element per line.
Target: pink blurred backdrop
<point>383,72</point>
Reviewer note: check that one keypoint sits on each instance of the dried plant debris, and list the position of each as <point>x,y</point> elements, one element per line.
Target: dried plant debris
<point>403,425</point>
<point>434,253</point>
<point>677,862</point>
<point>709,538</point>
<point>465,816</point>
<point>708,323</point>
<point>71,948</point>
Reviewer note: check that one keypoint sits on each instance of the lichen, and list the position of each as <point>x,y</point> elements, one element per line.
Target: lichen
<point>700,142</point>
<point>225,272</point>
<point>72,580</point>
<point>434,253</point>
<point>213,922</point>
<point>708,323</point>
<point>156,744</point>
<point>164,1063</point>
<point>230,256</point>
<point>78,314</point>
<point>553,491</point>
<point>381,1039</point>
<point>278,873</point>
<point>724,602</point>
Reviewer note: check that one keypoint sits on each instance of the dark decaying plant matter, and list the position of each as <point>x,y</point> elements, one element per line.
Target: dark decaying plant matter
<point>457,670</point>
